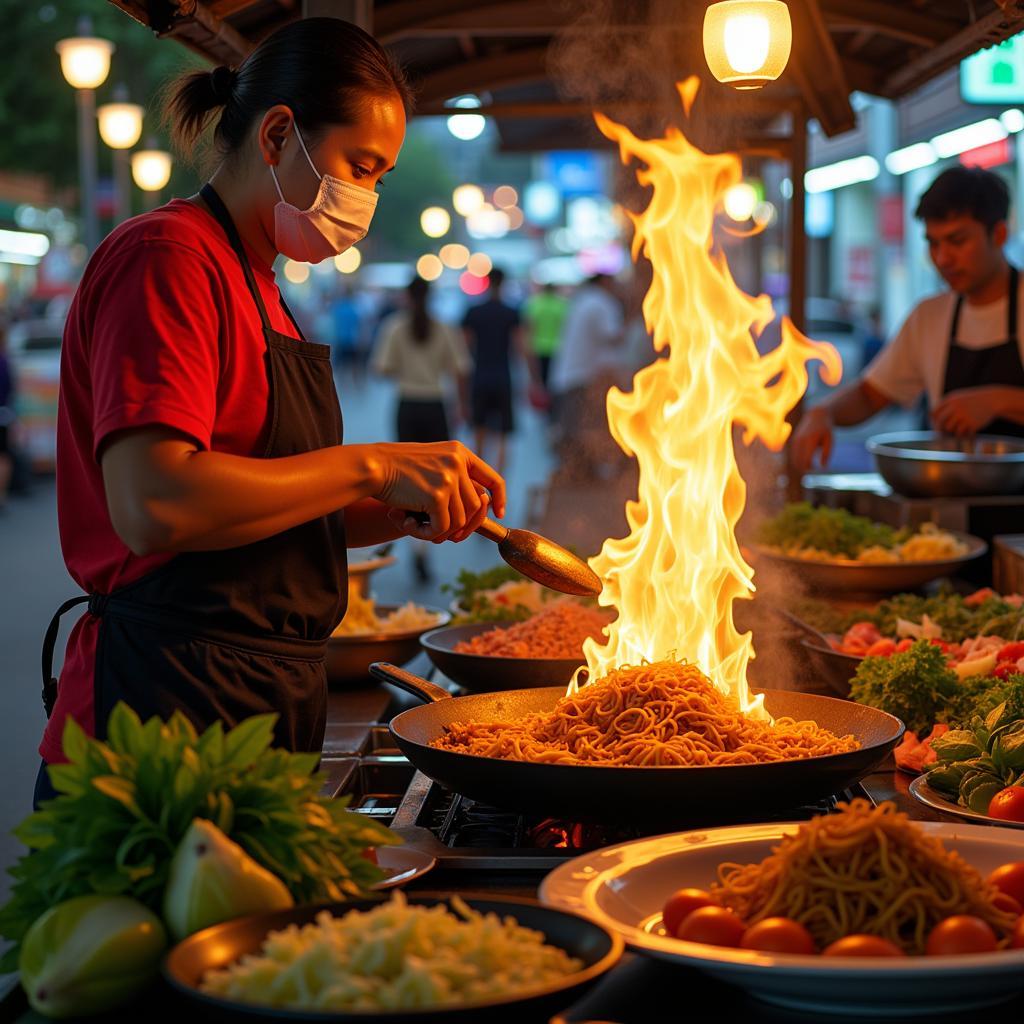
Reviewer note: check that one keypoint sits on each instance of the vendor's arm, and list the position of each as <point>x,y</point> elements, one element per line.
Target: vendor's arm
<point>166,494</point>
<point>967,411</point>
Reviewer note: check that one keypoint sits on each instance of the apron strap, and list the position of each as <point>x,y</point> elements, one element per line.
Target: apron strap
<point>49,644</point>
<point>1011,306</point>
<point>223,217</point>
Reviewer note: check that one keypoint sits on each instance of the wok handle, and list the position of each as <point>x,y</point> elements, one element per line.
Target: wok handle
<point>416,685</point>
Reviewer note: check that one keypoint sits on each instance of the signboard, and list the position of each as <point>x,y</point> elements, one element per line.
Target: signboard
<point>995,75</point>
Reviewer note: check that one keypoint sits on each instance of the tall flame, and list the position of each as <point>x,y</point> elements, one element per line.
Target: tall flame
<point>673,580</point>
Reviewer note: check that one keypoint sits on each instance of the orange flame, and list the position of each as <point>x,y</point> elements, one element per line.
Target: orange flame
<point>673,580</point>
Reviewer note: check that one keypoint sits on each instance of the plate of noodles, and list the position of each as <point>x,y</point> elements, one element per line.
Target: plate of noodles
<point>645,743</point>
<point>372,632</point>
<point>402,959</point>
<point>874,901</point>
<point>543,650</point>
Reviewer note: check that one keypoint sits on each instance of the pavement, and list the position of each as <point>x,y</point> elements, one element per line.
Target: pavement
<point>34,581</point>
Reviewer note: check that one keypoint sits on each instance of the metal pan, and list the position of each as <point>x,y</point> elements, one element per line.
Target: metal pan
<point>848,577</point>
<point>484,673</point>
<point>835,668</point>
<point>610,795</point>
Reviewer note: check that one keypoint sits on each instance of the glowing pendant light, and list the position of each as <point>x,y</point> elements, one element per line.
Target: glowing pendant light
<point>747,42</point>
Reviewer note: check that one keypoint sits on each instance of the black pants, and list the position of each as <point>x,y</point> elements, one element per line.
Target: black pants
<point>422,421</point>
<point>44,788</point>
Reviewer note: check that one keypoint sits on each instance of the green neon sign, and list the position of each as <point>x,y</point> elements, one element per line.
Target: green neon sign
<point>995,75</point>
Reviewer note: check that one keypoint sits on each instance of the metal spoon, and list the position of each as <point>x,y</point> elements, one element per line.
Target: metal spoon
<point>542,560</point>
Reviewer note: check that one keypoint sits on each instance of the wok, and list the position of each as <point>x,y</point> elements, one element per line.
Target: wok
<point>611,794</point>
<point>484,673</point>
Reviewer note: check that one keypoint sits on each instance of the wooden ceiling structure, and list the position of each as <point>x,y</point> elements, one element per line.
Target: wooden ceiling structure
<point>540,67</point>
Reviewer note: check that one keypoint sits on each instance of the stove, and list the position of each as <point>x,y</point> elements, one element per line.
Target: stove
<point>467,835</point>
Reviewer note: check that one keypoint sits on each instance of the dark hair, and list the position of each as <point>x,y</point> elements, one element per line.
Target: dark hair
<point>971,190</point>
<point>417,290</point>
<point>323,68</point>
<point>496,278</point>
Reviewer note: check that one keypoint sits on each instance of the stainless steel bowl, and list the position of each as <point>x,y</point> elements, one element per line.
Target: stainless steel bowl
<point>926,464</point>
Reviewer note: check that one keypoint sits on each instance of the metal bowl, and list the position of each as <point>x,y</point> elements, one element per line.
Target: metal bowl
<point>847,577</point>
<point>360,572</point>
<point>926,464</point>
<point>834,668</point>
<point>349,656</point>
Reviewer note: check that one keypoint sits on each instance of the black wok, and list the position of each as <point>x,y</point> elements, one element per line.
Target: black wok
<point>607,794</point>
<point>484,673</point>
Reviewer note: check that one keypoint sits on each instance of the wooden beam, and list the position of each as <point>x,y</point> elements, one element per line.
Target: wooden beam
<point>197,27</point>
<point>523,18</point>
<point>888,19</point>
<point>818,70</point>
<point>517,67</point>
<point>986,31</point>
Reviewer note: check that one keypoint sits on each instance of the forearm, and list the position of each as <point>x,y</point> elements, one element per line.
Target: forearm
<point>853,404</point>
<point>366,524</point>
<point>192,500</point>
<point>1010,403</point>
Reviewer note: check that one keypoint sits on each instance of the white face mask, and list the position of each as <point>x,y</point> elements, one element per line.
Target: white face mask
<point>339,217</point>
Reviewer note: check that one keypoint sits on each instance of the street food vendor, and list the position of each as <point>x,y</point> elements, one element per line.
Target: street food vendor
<point>205,497</point>
<point>961,348</point>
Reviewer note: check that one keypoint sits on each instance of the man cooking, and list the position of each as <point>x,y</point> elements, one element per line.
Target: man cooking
<point>962,348</point>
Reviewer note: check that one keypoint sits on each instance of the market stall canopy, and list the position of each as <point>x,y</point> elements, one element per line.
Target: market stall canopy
<point>514,55</point>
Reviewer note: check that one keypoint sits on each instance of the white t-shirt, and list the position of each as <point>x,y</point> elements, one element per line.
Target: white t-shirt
<point>591,340</point>
<point>420,368</point>
<point>914,362</point>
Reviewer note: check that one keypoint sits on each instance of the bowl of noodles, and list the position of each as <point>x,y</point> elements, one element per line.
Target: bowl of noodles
<point>543,650</point>
<point>861,873</point>
<point>403,959</point>
<point>372,632</point>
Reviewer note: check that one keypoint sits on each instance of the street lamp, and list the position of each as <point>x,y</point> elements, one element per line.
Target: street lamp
<point>85,62</point>
<point>120,129</point>
<point>151,169</point>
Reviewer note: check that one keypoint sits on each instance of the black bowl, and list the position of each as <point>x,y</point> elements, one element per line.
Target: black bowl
<point>835,668</point>
<point>487,673</point>
<point>348,657</point>
<point>223,944</point>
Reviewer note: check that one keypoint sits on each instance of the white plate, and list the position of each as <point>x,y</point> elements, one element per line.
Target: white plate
<point>402,864</point>
<point>624,887</point>
<point>922,792</point>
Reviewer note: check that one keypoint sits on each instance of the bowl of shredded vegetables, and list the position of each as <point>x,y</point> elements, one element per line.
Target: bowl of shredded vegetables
<point>402,959</point>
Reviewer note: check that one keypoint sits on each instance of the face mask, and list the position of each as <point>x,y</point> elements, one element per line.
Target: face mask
<point>339,217</point>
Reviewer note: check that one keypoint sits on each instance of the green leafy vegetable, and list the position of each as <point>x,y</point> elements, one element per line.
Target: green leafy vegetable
<point>992,617</point>
<point>835,530</point>
<point>916,685</point>
<point>124,806</point>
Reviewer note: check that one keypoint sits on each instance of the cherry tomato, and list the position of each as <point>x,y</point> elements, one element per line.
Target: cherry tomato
<point>1009,879</point>
<point>979,597</point>
<point>905,644</point>
<point>1005,669</point>
<point>1008,804</point>
<point>882,648</point>
<point>369,853</point>
<point>1017,941</point>
<point>862,945</point>
<point>778,935</point>
<point>1007,904</point>
<point>715,926</point>
<point>1011,652</point>
<point>962,933</point>
<point>941,644</point>
<point>680,905</point>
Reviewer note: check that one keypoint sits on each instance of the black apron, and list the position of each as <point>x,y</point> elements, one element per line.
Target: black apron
<point>224,635</point>
<point>998,364</point>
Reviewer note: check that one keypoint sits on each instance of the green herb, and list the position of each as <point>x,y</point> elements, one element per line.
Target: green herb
<point>468,584</point>
<point>916,685</point>
<point>835,530</point>
<point>993,617</point>
<point>124,805</point>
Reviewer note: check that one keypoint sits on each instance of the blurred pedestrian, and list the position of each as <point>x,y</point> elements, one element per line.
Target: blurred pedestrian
<point>346,327</point>
<point>544,313</point>
<point>6,418</point>
<point>590,360</point>
<point>422,355</point>
<point>493,332</point>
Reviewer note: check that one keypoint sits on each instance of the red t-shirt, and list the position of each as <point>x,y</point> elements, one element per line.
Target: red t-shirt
<point>162,330</point>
